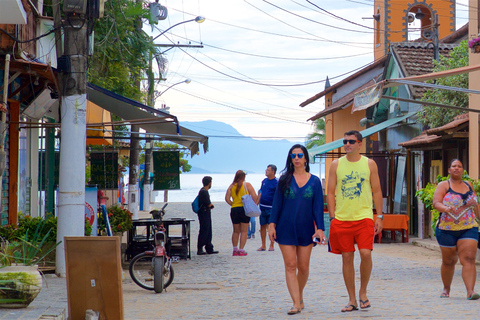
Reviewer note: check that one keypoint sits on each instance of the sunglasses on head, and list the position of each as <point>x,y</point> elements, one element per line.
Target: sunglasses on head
<point>351,141</point>
<point>293,155</point>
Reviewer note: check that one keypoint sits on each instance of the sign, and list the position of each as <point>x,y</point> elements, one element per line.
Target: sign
<point>104,169</point>
<point>91,208</point>
<point>166,167</point>
<point>367,97</point>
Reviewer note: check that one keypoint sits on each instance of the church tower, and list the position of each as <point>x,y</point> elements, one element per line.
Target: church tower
<point>411,20</point>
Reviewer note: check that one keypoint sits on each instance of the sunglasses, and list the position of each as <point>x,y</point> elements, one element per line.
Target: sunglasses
<point>293,155</point>
<point>351,141</point>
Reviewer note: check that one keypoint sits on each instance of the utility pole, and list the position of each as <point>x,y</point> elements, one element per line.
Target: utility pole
<point>133,198</point>
<point>71,194</point>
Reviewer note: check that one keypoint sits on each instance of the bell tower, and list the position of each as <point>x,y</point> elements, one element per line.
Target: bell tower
<point>407,20</point>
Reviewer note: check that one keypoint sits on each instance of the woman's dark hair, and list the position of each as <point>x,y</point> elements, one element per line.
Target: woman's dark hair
<point>450,165</point>
<point>287,173</point>
<point>238,180</point>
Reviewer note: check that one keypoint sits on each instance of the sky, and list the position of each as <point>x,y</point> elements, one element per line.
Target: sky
<point>261,59</point>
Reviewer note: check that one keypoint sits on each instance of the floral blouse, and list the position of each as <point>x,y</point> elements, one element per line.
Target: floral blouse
<point>463,215</point>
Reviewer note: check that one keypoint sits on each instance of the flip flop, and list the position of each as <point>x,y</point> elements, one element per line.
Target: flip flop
<point>294,310</point>
<point>474,296</point>
<point>347,308</point>
<point>261,249</point>
<point>444,295</point>
<point>364,303</point>
<point>271,249</point>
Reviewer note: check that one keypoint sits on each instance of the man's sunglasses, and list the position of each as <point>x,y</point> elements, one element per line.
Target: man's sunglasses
<point>293,155</point>
<point>351,141</point>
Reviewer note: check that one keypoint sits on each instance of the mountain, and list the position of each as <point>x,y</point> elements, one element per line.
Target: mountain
<point>235,152</point>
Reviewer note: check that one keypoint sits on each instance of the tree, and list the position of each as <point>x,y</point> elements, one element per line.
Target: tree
<point>317,137</point>
<point>433,116</point>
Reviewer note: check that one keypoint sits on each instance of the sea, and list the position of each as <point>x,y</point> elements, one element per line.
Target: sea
<point>190,184</point>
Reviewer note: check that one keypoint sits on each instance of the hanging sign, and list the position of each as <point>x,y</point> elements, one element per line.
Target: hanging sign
<point>104,169</point>
<point>367,97</point>
<point>166,167</point>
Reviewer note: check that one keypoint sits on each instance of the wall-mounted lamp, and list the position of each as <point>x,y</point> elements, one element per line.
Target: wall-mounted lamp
<point>376,17</point>
<point>365,121</point>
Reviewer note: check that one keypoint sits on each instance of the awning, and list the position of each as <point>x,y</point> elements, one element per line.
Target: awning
<point>98,115</point>
<point>419,81</point>
<point>150,119</point>
<point>365,133</point>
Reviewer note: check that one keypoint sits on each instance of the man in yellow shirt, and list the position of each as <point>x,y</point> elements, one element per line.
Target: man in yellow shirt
<point>352,183</point>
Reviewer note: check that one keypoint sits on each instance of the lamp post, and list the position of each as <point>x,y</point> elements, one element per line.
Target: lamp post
<point>187,81</point>
<point>198,19</point>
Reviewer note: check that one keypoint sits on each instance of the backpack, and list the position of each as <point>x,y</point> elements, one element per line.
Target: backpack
<point>196,205</point>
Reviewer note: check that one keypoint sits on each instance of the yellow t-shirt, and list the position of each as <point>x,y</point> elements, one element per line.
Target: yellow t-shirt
<point>353,200</point>
<point>237,198</point>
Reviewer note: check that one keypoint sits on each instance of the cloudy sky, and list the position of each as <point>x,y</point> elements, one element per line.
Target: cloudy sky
<point>261,59</point>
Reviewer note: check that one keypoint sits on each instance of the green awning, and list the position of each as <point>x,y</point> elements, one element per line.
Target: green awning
<point>365,133</point>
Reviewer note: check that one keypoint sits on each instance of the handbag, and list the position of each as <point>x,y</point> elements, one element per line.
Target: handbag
<point>250,207</point>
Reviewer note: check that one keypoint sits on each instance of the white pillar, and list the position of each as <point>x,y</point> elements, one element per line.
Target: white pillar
<point>133,198</point>
<point>71,196</point>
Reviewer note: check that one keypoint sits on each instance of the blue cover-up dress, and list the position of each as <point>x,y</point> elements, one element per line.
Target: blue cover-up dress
<point>296,210</point>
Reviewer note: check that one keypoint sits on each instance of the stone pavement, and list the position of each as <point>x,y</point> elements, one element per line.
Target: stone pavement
<point>405,283</point>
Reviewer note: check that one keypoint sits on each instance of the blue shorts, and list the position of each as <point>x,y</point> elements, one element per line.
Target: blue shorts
<point>265,215</point>
<point>448,239</point>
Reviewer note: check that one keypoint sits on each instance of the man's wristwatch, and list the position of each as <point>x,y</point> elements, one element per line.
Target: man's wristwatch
<point>331,218</point>
<point>380,216</point>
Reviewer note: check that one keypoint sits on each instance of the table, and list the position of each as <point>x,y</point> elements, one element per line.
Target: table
<point>393,223</point>
<point>141,239</point>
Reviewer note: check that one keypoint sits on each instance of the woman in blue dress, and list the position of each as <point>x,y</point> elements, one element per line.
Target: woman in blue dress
<point>296,220</point>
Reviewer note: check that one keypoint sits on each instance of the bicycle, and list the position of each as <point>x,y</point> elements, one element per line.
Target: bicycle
<point>152,270</point>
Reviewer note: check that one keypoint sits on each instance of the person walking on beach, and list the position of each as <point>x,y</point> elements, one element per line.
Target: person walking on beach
<point>205,219</point>
<point>352,181</point>
<point>457,229</point>
<point>240,221</point>
<point>265,195</point>
<point>296,220</point>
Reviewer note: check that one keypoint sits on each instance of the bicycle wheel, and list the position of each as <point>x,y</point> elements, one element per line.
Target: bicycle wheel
<point>141,270</point>
<point>168,275</point>
<point>159,264</point>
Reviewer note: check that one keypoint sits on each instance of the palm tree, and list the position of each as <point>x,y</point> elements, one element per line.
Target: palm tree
<point>317,137</point>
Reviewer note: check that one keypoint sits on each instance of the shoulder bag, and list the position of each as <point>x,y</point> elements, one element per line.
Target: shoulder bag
<point>250,207</point>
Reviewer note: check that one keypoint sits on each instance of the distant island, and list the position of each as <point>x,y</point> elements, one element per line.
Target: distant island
<point>237,152</point>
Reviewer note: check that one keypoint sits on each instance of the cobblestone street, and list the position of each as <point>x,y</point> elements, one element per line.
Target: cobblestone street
<point>405,283</point>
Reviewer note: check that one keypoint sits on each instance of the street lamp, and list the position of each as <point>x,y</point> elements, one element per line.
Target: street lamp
<point>187,81</point>
<point>198,19</point>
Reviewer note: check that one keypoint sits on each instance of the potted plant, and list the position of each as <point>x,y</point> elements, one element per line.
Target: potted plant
<point>120,219</point>
<point>474,44</point>
<point>20,280</point>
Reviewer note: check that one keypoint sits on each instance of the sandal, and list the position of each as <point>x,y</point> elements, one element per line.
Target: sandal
<point>294,310</point>
<point>474,296</point>
<point>363,304</point>
<point>261,249</point>
<point>347,308</point>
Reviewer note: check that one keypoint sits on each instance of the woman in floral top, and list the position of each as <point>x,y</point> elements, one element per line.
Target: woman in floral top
<point>457,228</point>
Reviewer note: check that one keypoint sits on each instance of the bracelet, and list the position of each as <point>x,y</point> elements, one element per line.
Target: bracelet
<point>331,218</point>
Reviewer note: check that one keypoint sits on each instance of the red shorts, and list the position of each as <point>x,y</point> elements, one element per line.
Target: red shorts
<point>344,234</point>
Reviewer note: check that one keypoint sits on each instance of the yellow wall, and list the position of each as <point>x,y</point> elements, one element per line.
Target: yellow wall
<point>336,124</point>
